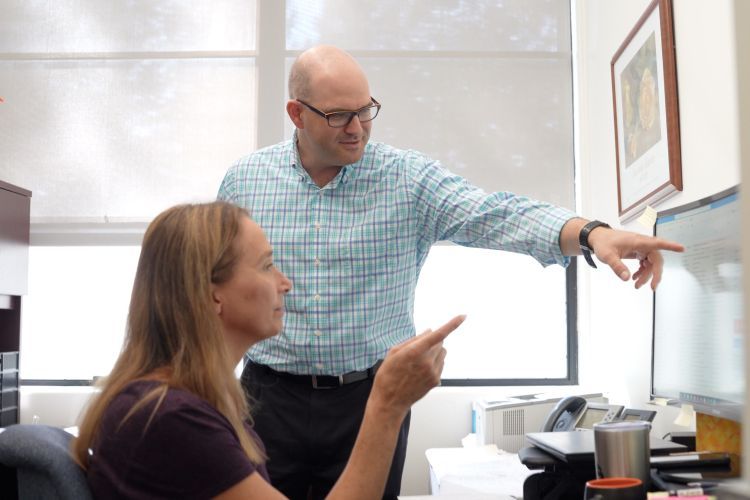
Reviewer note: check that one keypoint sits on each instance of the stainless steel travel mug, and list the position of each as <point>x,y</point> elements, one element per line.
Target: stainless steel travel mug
<point>622,449</point>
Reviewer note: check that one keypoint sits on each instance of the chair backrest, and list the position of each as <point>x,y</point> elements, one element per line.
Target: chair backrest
<point>43,465</point>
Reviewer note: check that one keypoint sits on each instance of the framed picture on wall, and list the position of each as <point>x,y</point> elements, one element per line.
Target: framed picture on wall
<point>647,128</point>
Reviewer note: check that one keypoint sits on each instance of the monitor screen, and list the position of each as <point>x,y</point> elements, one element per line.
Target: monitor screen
<point>698,353</point>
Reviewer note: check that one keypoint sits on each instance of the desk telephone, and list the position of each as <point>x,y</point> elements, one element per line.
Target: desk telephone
<point>574,412</point>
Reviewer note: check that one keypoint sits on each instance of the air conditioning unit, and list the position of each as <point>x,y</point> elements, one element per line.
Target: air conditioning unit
<point>505,421</point>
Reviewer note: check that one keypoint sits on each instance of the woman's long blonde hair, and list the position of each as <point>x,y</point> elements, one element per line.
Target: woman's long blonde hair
<point>173,328</point>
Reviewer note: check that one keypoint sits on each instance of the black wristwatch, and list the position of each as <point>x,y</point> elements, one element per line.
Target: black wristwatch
<point>583,239</point>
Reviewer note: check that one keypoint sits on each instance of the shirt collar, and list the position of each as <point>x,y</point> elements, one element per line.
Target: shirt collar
<point>344,176</point>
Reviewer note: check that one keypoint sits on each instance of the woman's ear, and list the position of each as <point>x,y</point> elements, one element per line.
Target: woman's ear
<point>294,109</point>
<point>216,299</point>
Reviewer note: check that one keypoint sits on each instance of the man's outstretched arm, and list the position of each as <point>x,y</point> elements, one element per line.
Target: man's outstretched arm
<point>612,245</point>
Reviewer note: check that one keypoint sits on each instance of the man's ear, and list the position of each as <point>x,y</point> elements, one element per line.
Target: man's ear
<point>294,110</point>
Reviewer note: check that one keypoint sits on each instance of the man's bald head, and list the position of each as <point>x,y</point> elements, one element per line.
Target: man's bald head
<point>320,65</point>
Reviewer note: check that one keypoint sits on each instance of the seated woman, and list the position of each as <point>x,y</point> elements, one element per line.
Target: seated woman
<point>171,420</point>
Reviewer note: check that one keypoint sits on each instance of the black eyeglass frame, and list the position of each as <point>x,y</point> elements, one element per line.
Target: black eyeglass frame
<point>375,104</point>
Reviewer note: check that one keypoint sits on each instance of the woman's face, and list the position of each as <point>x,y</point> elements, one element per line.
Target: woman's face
<point>251,303</point>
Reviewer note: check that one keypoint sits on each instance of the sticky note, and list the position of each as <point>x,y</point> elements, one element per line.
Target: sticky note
<point>686,416</point>
<point>648,217</point>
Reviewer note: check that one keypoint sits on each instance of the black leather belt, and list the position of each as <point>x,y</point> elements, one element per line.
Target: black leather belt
<point>327,381</point>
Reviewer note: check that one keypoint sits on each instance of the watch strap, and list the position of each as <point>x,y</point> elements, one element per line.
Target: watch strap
<point>583,240</point>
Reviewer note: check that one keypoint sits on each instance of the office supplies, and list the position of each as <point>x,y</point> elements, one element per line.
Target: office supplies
<point>614,488</point>
<point>465,472</point>
<point>574,412</point>
<point>693,460</point>
<point>631,415</point>
<point>598,413</point>
<point>705,477</point>
<point>565,414</point>
<point>578,447</point>
<point>685,437</point>
<point>505,421</point>
<point>622,449</point>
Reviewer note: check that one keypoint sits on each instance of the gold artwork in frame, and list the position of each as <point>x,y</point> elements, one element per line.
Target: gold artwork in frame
<point>647,128</point>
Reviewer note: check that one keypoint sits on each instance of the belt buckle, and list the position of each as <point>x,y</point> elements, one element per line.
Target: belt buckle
<point>316,386</point>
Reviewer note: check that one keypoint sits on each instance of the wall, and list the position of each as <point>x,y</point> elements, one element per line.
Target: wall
<point>57,406</point>
<point>742,16</point>
<point>707,87</point>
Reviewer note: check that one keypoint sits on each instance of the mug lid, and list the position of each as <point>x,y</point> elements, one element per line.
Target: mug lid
<point>620,426</point>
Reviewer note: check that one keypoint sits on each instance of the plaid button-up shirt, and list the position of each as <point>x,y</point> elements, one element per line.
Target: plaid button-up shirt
<point>354,248</point>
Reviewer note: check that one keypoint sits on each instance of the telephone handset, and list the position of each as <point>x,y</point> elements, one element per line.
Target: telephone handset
<point>565,414</point>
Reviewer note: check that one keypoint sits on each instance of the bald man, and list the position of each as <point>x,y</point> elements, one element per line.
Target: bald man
<point>351,223</point>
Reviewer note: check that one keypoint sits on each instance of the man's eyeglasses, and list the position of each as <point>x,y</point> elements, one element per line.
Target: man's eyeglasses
<point>339,119</point>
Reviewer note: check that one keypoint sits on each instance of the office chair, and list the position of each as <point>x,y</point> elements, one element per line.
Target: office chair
<point>35,463</point>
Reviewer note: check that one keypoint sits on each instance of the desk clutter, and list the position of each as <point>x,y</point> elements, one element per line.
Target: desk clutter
<point>542,447</point>
<point>563,468</point>
<point>567,442</point>
<point>505,421</point>
<point>476,470</point>
<point>568,460</point>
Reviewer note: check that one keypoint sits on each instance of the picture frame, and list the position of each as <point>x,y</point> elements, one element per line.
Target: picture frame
<point>646,113</point>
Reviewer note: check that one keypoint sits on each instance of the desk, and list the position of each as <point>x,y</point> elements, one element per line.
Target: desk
<point>475,472</point>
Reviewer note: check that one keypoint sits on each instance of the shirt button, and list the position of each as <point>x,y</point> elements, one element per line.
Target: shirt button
<point>317,297</point>
<point>318,333</point>
<point>317,261</point>
<point>319,366</point>
<point>317,225</point>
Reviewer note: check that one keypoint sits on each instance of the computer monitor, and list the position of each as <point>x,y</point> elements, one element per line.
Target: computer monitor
<point>698,353</point>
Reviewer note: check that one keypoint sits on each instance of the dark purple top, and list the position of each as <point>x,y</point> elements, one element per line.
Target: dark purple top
<point>189,449</point>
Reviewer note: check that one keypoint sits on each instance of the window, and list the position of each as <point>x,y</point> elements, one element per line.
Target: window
<point>118,110</point>
<point>114,118</point>
<point>515,330</point>
<point>75,312</point>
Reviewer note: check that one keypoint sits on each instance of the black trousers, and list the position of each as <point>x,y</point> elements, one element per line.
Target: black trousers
<point>309,433</point>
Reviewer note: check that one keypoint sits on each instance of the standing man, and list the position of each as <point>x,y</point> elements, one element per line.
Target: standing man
<point>353,222</point>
